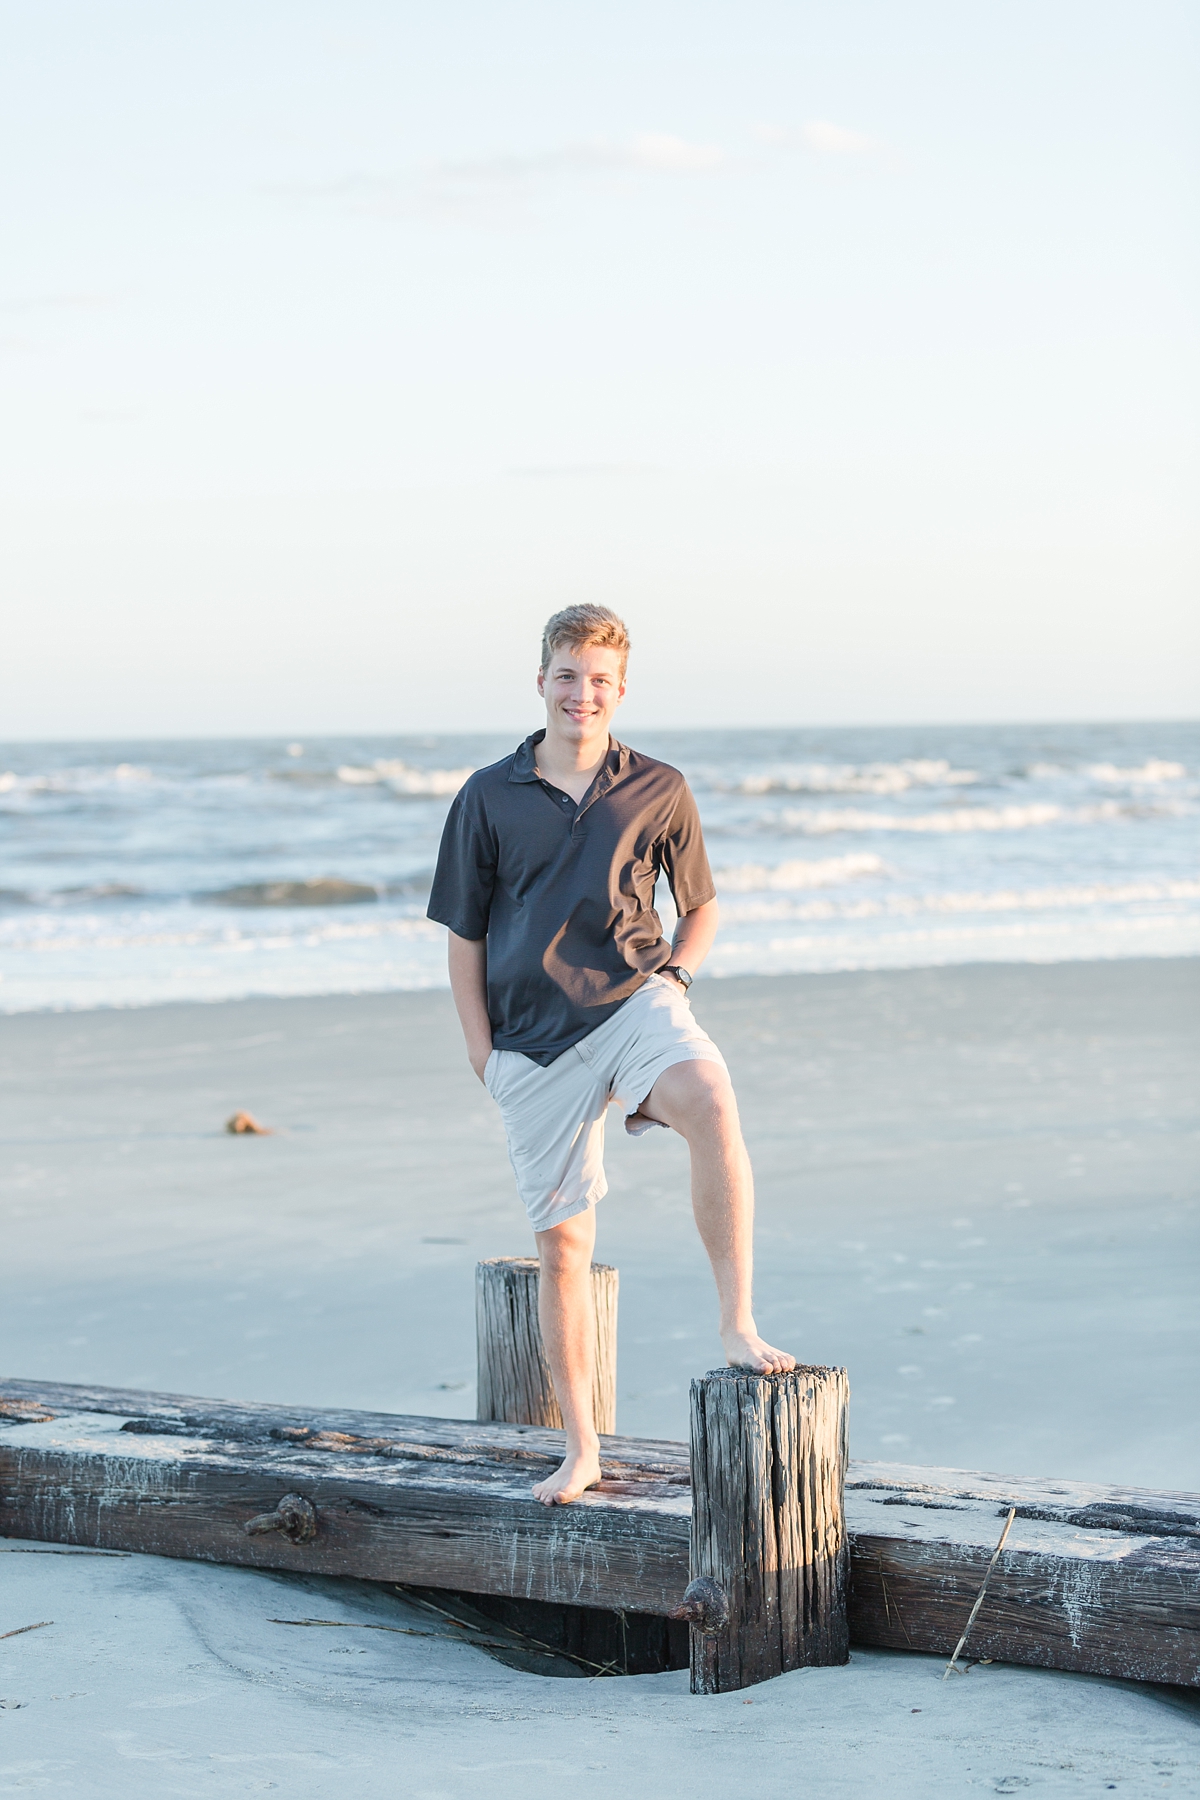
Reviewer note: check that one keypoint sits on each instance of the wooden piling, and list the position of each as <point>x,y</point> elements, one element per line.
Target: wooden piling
<point>514,1376</point>
<point>769,1556</point>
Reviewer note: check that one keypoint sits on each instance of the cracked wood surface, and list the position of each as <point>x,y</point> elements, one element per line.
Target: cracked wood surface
<point>1104,1580</point>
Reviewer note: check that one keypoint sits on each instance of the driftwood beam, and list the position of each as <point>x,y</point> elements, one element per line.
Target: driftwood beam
<point>1067,1593</point>
<point>1104,1580</point>
<point>429,1502</point>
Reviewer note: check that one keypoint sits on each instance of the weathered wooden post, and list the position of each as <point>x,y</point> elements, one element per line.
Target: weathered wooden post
<point>514,1377</point>
<point>769,1558</point>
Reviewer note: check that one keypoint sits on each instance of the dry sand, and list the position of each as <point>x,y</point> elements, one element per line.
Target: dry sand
<point>161,1678</point>
<point>977,1190</point>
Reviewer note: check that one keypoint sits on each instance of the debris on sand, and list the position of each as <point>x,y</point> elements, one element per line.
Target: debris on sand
<point>244,1124</point>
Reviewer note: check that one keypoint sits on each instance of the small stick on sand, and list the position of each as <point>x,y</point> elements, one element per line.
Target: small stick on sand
<point>987,1576</point>
<point>23,1628</point>
<point>244,1124</point>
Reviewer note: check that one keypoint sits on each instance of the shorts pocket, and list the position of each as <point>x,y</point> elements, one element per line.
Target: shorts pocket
<point>489,1069</point>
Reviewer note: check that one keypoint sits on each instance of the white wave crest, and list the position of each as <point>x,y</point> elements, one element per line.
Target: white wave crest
<point>1051,940</point>
<point>74,781</point>
<point>1077,898</point>
<point>964,818</point>
<point>847,778</point>
<point>1152,770</point>
<point>402,779</point>
<point>830,871</point>
<point>149,930</point>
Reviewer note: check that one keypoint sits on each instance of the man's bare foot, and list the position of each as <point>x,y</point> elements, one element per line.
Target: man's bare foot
<point>746,1350</point>
<point>577,1473</point>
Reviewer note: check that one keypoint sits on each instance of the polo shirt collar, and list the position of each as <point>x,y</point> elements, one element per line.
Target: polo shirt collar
<point>524,763</point>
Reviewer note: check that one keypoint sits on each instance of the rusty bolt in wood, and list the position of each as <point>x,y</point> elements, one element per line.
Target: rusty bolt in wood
<point>704,1605</point>
<point>294,1516</point>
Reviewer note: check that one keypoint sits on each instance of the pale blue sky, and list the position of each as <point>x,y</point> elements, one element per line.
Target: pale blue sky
<point>849,349</point>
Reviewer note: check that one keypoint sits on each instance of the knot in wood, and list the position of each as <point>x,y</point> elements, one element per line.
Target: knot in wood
<point>294,1517</point>
<point>704,1605</point>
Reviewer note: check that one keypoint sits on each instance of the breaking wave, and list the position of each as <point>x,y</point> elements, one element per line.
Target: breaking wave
<point>53,935</point>
<point>1150,771</point>
<point>744,878</point>
<point>401,779</point>
<point>326,890</point>
<point>845,778</point>
<point>74,781</point>
<point>812,823</point>
<point>1005,900</point>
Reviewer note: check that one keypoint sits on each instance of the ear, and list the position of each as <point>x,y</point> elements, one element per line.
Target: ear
<point>541,682</point>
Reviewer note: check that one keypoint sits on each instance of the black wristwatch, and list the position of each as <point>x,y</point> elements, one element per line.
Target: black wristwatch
<point>680,973</point>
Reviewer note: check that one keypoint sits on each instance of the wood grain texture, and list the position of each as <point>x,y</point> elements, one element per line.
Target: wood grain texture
<point>436,1502</point>
<point>1101,1579</point>
<point>514,1381</point>
<point>768,1466</point>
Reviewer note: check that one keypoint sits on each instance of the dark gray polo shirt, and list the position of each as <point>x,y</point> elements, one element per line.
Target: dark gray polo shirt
<point>564,894</point>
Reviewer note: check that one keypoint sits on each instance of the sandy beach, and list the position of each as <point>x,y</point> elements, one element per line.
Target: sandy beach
<point>977,1191</point>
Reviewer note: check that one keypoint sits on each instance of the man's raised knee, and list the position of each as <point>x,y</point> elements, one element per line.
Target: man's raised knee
<point>695,1095</point>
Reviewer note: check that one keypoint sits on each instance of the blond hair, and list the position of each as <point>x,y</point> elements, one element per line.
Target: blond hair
<point>580,625</point>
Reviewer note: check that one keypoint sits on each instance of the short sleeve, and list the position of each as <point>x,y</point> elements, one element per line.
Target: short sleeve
<point>684,858</point>
<point>465,877</point>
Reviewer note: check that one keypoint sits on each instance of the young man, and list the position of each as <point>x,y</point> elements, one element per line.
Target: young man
<point>571,999</point>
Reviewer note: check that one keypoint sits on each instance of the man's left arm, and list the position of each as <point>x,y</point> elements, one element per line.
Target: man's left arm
<point>685,865</point>
<point>694,936</point>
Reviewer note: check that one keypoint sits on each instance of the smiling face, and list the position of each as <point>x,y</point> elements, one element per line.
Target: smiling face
<point>582,687</point>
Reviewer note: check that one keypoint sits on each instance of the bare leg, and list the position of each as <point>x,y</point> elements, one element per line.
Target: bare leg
<point>696,1099</point>
<point>566,1313</point>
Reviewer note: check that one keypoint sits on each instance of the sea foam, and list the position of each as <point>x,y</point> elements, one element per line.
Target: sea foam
<point>830,871</point>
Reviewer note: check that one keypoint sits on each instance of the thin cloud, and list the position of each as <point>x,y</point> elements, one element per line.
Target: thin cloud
<point>834,140</point>
<point>474,185</point>
<point>657,150</point>
<point>820,136</point>
<point>580,471</point>
<point>39,303</point>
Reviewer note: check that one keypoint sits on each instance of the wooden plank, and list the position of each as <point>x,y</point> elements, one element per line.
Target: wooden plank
<point>769,1555</point>
<point>1105,1580</point>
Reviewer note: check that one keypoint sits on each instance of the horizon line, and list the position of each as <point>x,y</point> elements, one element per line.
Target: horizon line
<point>296,734</point>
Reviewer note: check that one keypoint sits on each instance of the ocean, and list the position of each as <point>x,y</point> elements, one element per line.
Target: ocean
<point>141,872</point>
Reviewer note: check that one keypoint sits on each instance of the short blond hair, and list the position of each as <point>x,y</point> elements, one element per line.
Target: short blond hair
<point>580,625</point>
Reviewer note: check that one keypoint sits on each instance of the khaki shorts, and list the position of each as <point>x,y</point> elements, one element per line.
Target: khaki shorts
<point>554,1117</point>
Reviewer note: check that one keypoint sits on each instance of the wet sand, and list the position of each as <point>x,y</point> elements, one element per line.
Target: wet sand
<point>978,1190</point>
